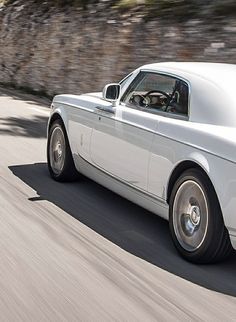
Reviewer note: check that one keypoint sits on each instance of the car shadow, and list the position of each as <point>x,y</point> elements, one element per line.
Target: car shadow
<point>125,224</point>
<point>19,126</point>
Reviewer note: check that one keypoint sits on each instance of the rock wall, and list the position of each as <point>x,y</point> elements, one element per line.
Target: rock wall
<point>70,50</point>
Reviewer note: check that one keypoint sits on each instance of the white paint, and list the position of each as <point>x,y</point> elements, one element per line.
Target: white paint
<point>141,150</point>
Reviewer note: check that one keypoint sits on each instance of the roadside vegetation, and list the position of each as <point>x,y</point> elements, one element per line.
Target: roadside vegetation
<point>154,7</point>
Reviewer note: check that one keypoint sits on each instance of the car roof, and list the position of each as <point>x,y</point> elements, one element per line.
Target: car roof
<point>211,71</point>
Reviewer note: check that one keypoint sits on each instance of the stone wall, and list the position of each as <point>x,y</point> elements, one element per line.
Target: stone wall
<point>70,50</point>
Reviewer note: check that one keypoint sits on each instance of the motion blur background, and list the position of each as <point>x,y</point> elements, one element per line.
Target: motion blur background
<point>77,46</point>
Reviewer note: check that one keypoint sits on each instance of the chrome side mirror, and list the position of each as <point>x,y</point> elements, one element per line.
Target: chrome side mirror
<point>111,92</point>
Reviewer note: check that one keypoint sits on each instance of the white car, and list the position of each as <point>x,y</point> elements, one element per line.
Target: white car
<point>164,138</point>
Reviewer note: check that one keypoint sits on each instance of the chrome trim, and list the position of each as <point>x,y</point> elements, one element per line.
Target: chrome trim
<point>105,109</point>
<point>121,82</point>
<point>157,112</point>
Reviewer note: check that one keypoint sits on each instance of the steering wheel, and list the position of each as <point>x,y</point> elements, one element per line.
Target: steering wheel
<point>157,91</point>
<point>141,100</point>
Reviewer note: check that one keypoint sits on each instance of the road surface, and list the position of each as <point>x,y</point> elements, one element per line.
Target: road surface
<point>78,252</point>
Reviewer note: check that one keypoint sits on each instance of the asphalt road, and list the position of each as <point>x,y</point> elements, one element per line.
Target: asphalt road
<point>78,252</point>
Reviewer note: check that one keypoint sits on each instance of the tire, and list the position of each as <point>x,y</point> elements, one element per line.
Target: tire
<point>59,157</point>
<point>195,219</point>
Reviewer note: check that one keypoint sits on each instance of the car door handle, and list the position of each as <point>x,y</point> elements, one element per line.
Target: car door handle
<point>105,109</point>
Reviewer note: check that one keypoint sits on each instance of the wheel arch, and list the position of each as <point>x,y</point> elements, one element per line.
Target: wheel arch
<point>178,170</point>
<point>57,115</point>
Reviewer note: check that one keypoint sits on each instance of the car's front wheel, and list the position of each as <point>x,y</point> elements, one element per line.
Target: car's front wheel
<point>60,162</point>
<point>196,221</point>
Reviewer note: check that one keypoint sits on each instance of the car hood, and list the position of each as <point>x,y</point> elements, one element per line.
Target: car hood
<point>96,94</point>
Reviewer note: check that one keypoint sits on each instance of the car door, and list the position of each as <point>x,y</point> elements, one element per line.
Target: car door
<point>126,143</point>
<point>121,140</point>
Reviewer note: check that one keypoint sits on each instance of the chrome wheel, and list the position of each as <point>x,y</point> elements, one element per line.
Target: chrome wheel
<point>195,219</point>
<point>57,150</point>
<point>190,215</point>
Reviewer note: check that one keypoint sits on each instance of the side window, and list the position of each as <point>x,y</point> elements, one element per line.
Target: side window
<point>157,93</point>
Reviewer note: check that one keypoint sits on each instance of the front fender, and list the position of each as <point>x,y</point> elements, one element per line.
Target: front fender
<point>58,112</point>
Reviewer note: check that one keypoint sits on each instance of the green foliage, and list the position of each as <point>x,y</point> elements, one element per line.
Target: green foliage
<point>123,4</point>
<point>180,9</point>
<point>175,8</point>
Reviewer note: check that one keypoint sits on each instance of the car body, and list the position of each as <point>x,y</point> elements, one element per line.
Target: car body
<point>166,133</point>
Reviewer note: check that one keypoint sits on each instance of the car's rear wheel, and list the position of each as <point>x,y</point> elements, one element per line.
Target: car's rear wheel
<point>60,162</point>
<point>196,221</point>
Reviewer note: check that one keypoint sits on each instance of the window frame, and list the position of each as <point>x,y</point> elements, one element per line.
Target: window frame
<point>159,112</point>
<point>123,81</point>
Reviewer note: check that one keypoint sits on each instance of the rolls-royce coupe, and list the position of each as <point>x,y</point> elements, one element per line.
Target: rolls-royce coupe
<point>164,137</point>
